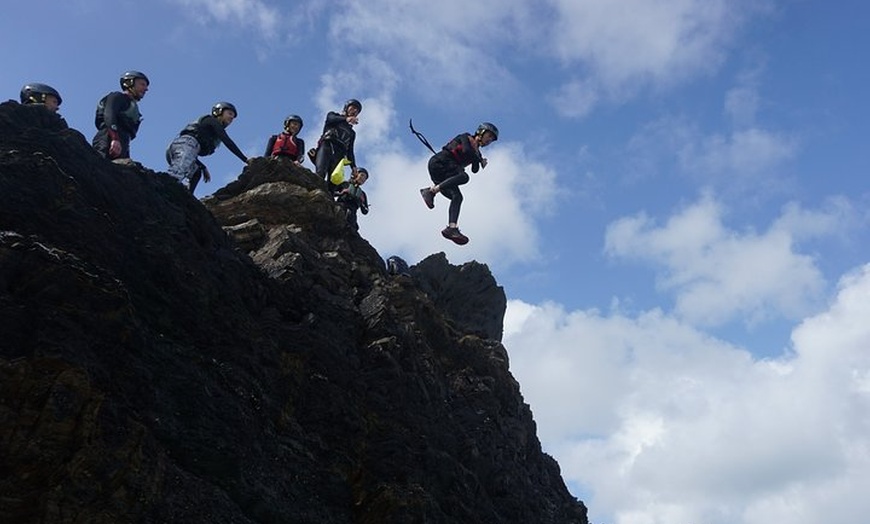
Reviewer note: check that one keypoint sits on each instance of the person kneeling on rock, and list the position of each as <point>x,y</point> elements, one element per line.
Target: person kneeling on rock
<point>201,138</point>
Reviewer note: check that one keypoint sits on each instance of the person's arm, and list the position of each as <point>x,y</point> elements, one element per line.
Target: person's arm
<point>363,202</point>
<point>468,149</point>
<point>300,150</point>
<point>206,176</point>
<point>116,103</point>
<point>270,145</point>
<point>333,118</point>
<point>225,138</point>
<point>349,154</point>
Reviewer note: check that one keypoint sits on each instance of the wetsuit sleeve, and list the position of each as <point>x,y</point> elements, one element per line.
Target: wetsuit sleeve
<point>116,103</point>
<point>225,138</point>
<point>270,145</point>
<point>475,156</point>
<point>349,154</point>
<point>300,150</point>
<point>333,118</point>
<point>363,202</point>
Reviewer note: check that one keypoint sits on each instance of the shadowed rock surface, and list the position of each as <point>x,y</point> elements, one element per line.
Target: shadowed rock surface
<point>242,359</point>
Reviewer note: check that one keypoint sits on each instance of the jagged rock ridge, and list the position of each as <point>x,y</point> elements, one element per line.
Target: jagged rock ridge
<point>154,368</point>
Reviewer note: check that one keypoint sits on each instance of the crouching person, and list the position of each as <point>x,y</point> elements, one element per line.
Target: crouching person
<point>201,138</point>
<point>351,197</point>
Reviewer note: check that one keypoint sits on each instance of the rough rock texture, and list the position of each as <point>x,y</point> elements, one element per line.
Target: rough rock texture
<point>242,359</point>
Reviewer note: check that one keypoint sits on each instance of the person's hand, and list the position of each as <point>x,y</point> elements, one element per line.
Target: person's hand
<point>114,149</point>
<point>206,176</point>
<point>482,162</point>
<point>352,120</point>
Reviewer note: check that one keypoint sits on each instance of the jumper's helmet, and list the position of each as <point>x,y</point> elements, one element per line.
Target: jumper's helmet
<point>487,126</point>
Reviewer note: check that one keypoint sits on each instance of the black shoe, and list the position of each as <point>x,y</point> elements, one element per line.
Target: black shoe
<point>452,233</point>
<point>428,197</point>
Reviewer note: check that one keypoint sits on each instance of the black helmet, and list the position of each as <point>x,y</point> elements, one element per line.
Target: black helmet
<point>363,170</point>
<point>355,103</point>
<point>486,126</point>
<point>219,108</point>
<point>36,93</point>
<point>293,118</point>
<point>129,77</point>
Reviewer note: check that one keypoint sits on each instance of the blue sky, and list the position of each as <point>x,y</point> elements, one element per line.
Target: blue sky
<point>677,207</point>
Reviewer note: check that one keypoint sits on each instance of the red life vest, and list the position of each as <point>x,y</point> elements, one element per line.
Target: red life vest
<point>285,146</point>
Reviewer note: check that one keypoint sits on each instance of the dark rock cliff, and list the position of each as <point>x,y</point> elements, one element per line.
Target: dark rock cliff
<point>243,359</point>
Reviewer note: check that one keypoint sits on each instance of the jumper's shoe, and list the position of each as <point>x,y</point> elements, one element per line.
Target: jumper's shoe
<point>428,197</point>
<point>452,233</point>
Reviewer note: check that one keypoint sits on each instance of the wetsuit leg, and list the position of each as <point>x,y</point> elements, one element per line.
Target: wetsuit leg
<point>101,143</point>
<point>450,189</point>
<point>327,158</point>
<point>325,161</point>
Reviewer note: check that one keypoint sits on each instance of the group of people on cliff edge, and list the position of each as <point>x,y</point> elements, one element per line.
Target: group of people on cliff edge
<point>117,120</point>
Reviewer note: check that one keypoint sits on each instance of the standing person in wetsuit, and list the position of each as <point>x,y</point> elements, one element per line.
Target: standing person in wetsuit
<point>117,117</point>
<point>287,144</point>
<point>200,138</point>
<point>336,141</point>
<point>447,171</point>
<point>41,94</point>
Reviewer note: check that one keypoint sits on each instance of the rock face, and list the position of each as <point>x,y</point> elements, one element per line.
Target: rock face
<point>243,359</point>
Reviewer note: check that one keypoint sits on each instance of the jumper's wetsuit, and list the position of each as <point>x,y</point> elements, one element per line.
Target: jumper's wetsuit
<point>117,117</point>
<point>446,169</point>
<point>336,142</point>
<point>199,138</point>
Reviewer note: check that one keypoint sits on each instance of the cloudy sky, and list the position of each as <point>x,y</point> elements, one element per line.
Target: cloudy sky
<point>677,207</point>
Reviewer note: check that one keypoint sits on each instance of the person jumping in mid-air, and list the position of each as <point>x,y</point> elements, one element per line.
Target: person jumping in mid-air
<point>447,171</point>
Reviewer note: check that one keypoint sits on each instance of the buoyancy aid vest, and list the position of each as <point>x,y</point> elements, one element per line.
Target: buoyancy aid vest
<point>285,145</point>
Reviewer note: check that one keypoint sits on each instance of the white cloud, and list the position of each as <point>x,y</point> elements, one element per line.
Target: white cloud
<point>255,14</point>
<point>638,40</point>
<point>660,423</point>
<point>748,162</point>
<point>741,154</point>
<point>718,274</point>
<point>439,47</point>
<point>576,99</point>
<point>625,46</point>
<point>741,105</point>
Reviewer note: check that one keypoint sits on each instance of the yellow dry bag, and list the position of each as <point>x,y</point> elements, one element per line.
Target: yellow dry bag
<point>337,176</point>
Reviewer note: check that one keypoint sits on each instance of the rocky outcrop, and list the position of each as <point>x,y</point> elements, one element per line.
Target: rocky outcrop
<point>243,359</point>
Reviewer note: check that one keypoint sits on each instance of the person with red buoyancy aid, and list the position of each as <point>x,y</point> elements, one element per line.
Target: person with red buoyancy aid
<point>287,144</point>
<point>447,171</point>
